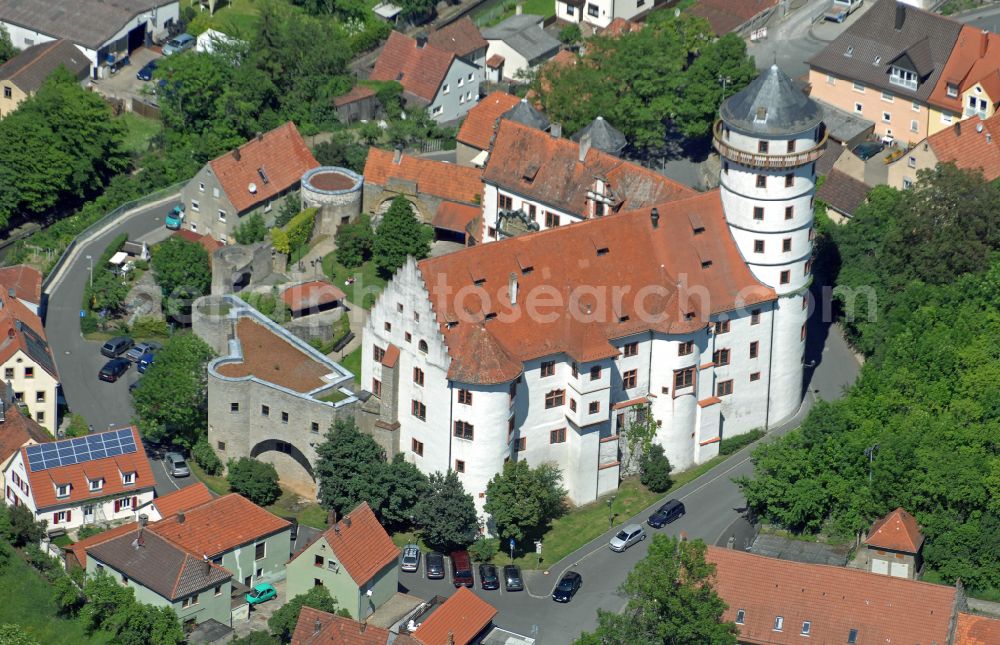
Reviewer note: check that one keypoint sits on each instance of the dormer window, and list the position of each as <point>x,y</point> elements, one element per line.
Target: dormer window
<point>903,77</point>
<point>779,623</point>
<point>95,484</point>
<point>952,90</point>
<point>806,627</point>
<point>852,637</point>
<point>128,478</point>
<point>62,490</point>
<point>740,616</point>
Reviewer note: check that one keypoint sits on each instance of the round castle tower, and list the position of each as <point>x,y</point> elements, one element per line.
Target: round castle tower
<point>769,137</point>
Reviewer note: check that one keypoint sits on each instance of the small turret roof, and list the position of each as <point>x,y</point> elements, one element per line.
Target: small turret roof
<point>603,136</point>
<point>525,114</point>
<point>771,104</point>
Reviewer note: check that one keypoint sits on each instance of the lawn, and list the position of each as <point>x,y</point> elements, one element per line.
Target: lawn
<point>490,16</point>
<point>352,363</point>
<point>217,485</point>
<point>334,396</point>
<point>307,513</point>
<point>234,17</point>
<point>28,603</point>
<point>367,283</point>
<point>140,131</point>
<point>583,524</point>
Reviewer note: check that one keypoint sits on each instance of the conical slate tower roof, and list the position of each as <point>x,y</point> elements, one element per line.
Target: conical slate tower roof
<point>524,114</point>
<point>771,104</point>
<point>603,136</point>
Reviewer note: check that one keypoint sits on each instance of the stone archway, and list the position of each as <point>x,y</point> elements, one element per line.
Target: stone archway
<point>419,209</point>
<point>294,469</point>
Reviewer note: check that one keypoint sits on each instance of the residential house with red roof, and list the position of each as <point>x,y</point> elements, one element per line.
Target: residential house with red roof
<point>894,545</point>
<point>779,602</point>
<point>16,431</point>
<point>354,559</point>
<point>25,356</point>
<point>441,81</point>
<point>476,134</point>
<point>316,627</point>
<point>972,144</point>
<point>976,630</point>
<point>254,178</point>
<point>460,620</point>
<point>970,82</point>
<point>103,477</point>
<point>462,38</point>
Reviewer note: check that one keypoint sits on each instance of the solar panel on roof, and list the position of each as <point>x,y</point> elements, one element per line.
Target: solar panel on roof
<point>81,450</point>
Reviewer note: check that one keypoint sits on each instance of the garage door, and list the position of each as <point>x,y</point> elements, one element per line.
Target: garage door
<point>880,566</point>
<point>900,570</point>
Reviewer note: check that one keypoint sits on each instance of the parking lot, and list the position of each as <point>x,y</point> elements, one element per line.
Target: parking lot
<point>124,83</point>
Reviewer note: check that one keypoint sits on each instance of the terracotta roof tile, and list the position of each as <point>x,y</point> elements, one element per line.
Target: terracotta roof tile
<point>975,58</point>
<point>437,178</point>
<point>361,544</point>
<point>182,499</point>
<point>316,627</point>
<point>477,129</point>
<point>43,482</point>
<point>420,70</point>
<point>486,350</point>
<point>208,242</point>
<point>897,531</point>
<point>220,525</point>
<point>834,600</point>
<point>977,630</point>
<point>964,146</point>
<point>843,192</point>
<point>461,38</point>
<point>391,356</point>
<point>271,358</point>
<point>495,61</point>
<point>18,430</point>
<point>560,180</point>
<point>282,156</point>
<point>455,217</point>
<point>26,282</point>
<point>620,26</point>
<point>460,618</point>
<point>724,15</point>
<point>311,295</point>
<point>357,93</point>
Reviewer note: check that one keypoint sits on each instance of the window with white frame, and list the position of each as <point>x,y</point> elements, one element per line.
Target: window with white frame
<point>858,108</point>
<point>830,80</point>
<point>125,503</point>
<point>915,106</point>
<point>62,490</point>
<point>858,87</point>
<point>194,205</point>
<point>903,77</point>
<point>888,98</point>
<point>912,162</point>
<point>886,117</point>
<point>222,215</point>
<point>95,484</point>
<point>445,89</point>
<point>201,186</point>
<point>128,478</point>
<point>437,110</point>
<point>215,192</point>
<point>592,10</point>
<point>914,126</point>
<point>946,117</point>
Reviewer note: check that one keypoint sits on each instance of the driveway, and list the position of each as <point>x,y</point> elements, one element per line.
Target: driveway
<point>124,83</point>
<point>715,510</point>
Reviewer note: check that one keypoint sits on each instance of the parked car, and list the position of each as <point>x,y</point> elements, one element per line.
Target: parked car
<point>488,577</point>
<point>145,361</point>
<point>512,580</point>
<point>567,587</point>
<point>666,514</point>
<point>179,44</point>
<point>461,569</point>
<point>627,536</point>
<point>113,370</point>
<point>411,558</point>
<point>868,149</point>
<point>116,346</point>
<point>146,73</point>
<point>175,218</point>
<point>136,351</point>
<point>434,565</point>
<point>261,593</point>
<point>176,464</point>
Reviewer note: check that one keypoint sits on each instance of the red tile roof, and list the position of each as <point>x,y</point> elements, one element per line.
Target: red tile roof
<point>897,531</point>
<point>547,169</point>
<point>281,154</point>
<point>43,482</point>
<point>26,282</point>
<point>219,526</point>
<point>834,600</point>
<point>493,351</point>
<point>310,295</point>
<point>457,621</point>
<point>361,544</point>
<point>436,178</point>
<point>977,630</point>
<point>182,499</point>
<point>975,58</point>
<point>962,145</point>
<point>18,430</point>
<point>495,61</point>
<point>420,70</point>
<point>21,330</point>
<point>357,93</point>
<point>461,38</point>
<point>316,627</point>
<point>208,242</point>
<point>455,217</point>
<point>391,356</point>
<point>477,129</point>
<point>271,358</point>
<point>725,15</point>
<point>620,26</point>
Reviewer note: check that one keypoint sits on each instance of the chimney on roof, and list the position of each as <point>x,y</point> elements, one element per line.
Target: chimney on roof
<point>260,136</point>
<point>519,9</point>
<point>512,288</point>
<point>317,626</point>
<point>236,154</point>
<point>364,626</point>
<point>143,520</point>
<point>958,128</point>
<point>584,147</point>
<point>397,155</point>
<point>421,41</point>
<point>10,292</point>
<point>451,634</point>
<point>331,518</point>
<point>206,565</point>
<point>556,130</point>
<point>180,517</point>
<point>979,127</point>
<point>347,521</point>
<point>654,217</point>
<point>900,15</point>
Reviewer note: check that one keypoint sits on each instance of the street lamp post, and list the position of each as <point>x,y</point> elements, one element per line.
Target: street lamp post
<point>90,259</point>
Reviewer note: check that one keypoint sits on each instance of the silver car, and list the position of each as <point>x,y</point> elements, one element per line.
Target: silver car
<point>411,558</point>
<point>179,44</point>
<point>627,536</point>
<point>176,464</point>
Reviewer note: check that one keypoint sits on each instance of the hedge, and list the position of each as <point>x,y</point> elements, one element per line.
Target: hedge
<point>296,233</point>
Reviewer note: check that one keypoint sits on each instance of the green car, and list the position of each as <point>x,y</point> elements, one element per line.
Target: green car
<point>175,218</point>
<point>261,593</point>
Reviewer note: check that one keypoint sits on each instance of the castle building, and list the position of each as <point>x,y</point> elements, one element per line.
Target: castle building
<point>547,343</point>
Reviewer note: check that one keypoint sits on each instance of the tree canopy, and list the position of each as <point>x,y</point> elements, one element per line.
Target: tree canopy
<point>183,273</point>
<point>522,500</point>
<point>400,234</point>
<point>446,514</point>
<point>7,49</point>
<point>255,480</point>
<point>282,621</point>
<point>670,600</point>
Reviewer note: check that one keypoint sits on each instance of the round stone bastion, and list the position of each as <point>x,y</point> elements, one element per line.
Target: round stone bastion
<point>336,192</point>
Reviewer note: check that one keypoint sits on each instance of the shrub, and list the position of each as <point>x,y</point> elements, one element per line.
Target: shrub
<point>150,327</point>
<point>354,242</point>
<point>483,549</point>
<point>279,239</point>
<point>88,324</point>
<point>88,530</point>
<point>77,426</point>
<point>255,480</point>
<point>654,469</point>
<point>734,444</point>
<point>205,457</point>
<point>570,34</point>
<point>142,265</point>
<point>300,228</point>
<point>251,230</point>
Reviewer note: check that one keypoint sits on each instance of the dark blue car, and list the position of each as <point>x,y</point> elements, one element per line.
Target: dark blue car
<point>146,73</point>
<point>145,361</point>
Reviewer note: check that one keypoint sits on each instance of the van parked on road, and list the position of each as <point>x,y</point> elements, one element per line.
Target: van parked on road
<point>461,569</point>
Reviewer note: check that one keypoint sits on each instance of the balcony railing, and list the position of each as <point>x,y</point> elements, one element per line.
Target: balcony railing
<point>766,159</point>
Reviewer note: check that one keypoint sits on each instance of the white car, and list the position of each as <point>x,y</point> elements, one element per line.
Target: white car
<point>627,536</point>
<point>411,558</point>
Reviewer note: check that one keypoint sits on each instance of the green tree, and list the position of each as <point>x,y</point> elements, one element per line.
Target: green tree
<point>404,486</point>
<point>341,150</point>
<point>355,242</point>
<point>654,469</point>
<point>183,273</point>
<point>282,621</point>
<point>11,634</point>
<point>18,525</point>
<point>255,480</point>
<point>104,599</point>
<point>171,399</point>
<point>523,500</point>
<point>7,49</point>
<point>638,434</point>
<point>484,548</point>
<point>570,34</point>
<point>399,235</point>
<point>251,230</point>
<point>67,596</point>
<point>290,207</point>
<point>446,514</point>
<point>670,600</point>
<point>350,468</point>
